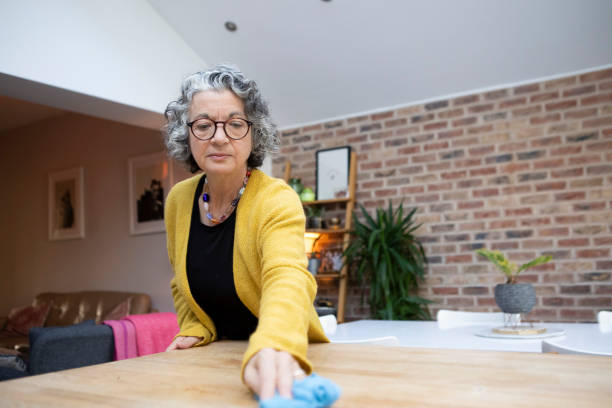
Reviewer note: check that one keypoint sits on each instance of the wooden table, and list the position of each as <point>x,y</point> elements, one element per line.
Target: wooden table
<point>370,376</point>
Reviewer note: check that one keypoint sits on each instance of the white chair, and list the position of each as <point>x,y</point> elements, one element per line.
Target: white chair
<point>377,341</point>
<point>604,318</point>
<point>329,323</point>
<point>558,349</point>
<point>449,319</point>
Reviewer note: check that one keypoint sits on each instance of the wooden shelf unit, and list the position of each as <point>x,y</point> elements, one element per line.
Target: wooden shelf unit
<point>329,231</point>
<point>349,202</point>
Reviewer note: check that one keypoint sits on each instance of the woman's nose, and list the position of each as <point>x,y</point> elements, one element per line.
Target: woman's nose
<point>220,132</point>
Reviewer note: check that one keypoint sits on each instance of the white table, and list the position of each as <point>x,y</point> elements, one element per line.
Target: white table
<point>585,336</point>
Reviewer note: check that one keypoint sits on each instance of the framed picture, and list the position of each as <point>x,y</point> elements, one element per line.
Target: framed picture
<point>333,172</point>
<point>149,182</point>
<point>66,207</point>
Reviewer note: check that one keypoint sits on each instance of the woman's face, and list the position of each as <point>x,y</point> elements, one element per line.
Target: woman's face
<point>219,155</point>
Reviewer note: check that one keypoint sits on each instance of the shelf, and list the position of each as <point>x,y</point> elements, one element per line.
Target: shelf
<point>337,278</point>
<point>327,230</point>
<point>327,276</point>
<point>324,202</point>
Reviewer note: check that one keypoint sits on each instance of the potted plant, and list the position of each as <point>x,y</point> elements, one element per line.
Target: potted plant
<point>314,217</point>
<point>392,261</point>
<point>513,297</point>
<point>296,184</point>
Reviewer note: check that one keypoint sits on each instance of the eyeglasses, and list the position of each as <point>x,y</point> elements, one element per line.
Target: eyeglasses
<point>205,129</point>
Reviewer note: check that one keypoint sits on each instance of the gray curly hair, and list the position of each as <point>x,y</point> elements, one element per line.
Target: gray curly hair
<point>220,77</point>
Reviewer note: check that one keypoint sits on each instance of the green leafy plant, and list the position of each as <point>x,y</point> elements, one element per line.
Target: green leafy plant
<point>315,211</point>
<point>390,258</point>
<point>509,268</point>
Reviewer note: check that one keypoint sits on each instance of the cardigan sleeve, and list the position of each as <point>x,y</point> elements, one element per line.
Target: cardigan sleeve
<point>287,288</point>
<point>189,324</point>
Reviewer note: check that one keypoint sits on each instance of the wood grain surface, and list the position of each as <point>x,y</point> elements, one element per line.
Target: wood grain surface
<point>370,376</point>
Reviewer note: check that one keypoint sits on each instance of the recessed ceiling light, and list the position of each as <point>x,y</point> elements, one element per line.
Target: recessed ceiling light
<point>231,26</point>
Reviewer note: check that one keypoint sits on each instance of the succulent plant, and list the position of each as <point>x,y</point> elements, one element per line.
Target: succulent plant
<point>509,268</point>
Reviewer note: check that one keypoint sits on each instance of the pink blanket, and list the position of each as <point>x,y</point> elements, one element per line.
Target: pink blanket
<point>154,331</point>
<point>124,333</point>
<point>139,335</point>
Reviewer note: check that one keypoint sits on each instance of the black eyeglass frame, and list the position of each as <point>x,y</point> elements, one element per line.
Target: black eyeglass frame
<point>216,122</point>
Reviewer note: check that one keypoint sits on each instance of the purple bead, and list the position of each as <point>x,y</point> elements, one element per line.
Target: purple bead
<point>205,197</point>
<point>235,202</point>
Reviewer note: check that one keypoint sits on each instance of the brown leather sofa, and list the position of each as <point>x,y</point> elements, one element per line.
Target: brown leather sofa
<point>76,307</point>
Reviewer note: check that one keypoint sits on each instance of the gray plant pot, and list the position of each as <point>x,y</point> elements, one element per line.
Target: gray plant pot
<point>515,297</point>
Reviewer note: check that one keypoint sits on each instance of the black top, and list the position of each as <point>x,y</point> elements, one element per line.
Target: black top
<point>211,277</point>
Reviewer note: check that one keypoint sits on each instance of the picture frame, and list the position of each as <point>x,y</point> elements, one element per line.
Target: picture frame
<point>66,204</point>
<point>332,172</point>
<point>331,260</point>
<point>149,178</point>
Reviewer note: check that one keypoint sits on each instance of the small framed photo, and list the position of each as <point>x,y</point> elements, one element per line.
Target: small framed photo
<point>149,182</point>
<point>66,206</point>
<point>333,172</point>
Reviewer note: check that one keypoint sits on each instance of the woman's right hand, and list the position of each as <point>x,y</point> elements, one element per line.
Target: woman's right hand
<point>183,342</point>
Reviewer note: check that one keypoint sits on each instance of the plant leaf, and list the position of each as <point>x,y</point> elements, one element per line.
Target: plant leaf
<point>538,261</point>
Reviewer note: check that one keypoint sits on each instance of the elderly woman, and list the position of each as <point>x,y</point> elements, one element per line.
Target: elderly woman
<point>235,235</point>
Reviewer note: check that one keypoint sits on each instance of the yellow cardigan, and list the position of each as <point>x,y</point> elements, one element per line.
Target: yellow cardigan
<point>269,263</point>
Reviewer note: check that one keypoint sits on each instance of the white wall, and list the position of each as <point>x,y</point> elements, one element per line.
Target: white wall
<point>120,52</point>
<point>108,257</point>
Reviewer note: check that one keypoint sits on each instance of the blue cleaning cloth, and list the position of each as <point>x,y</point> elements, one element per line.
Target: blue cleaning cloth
<point>313,391</point>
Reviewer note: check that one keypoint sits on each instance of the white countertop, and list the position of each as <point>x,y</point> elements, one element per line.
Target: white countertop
<point>584,336</point>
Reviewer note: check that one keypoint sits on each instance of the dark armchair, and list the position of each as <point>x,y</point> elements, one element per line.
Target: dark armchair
<point>61,348</point>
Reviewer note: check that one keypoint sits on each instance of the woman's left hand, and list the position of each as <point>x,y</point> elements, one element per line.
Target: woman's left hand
<point>269,370</point>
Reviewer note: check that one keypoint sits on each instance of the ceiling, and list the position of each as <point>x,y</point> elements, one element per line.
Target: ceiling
<point>319,60</point>
<point>316,60</point>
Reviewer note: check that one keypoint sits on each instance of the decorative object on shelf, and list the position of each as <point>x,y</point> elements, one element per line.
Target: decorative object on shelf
<point>315,217</point>
<point>331,260</point>
<point>333,223</point>
<point>333,172</point>
<point>314,263</point>
<point>149,183</point>
<point>307,194</point>
<point>310,239</point>
<point>336,259</point>
<point>314,259</point>
<point>513,298</point>
<point>66,206</point>
<point>296,184</point>
<point>391,259</point>
<point>327,265</point>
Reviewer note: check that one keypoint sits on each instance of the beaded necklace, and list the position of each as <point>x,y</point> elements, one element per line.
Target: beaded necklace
<point>230,208</point>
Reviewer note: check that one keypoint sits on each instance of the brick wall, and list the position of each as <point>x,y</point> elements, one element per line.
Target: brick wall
<point>526,170</point>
